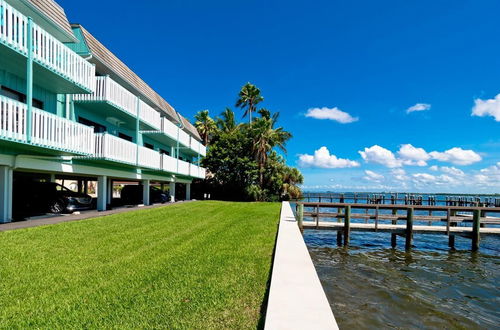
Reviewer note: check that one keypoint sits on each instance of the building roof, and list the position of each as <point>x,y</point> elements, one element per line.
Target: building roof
<point>190,128</point>
<point>54,12</point>
<point>104,55</point>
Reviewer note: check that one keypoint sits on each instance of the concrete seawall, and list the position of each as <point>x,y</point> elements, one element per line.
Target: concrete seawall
<point>296,298</point>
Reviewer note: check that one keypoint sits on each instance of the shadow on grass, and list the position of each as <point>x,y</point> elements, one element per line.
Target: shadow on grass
<point>263,307</point>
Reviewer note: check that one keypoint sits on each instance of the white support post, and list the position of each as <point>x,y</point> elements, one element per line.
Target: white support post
<point>188,191</point>
<point>6,181</point>
<point>172,191</point>
<point>52,177</point>
<point>145,192</point>
<point>102,198</point>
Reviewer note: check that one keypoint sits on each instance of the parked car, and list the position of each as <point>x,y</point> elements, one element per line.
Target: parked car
<point>132,194</point>
<point>33,197</point>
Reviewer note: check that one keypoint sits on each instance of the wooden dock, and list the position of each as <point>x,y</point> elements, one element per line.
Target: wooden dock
<point>445,223</point>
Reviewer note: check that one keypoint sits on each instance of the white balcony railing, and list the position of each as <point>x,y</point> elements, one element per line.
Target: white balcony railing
<point>57,132</point>
<point>47,129</point>
<point>168,163</point>
<point>47,50</point>
<point>198,147</point>
<point>111,147</point>
<point>149,115</point>
<point>108,90</point>
<point>169,128</point>
<point>149,158</point>
<point>196,171</point>
<point>182,167</point>
<point>12,120</point>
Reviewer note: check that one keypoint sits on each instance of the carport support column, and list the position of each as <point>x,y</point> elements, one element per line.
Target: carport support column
<point>188,191</point>
<point>172,191</point>
<point>145,192</point>
<point>102,192</point>
<point>6,194</point>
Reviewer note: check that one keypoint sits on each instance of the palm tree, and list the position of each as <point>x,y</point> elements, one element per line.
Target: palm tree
<point>227,123</point>
<point>266,137</point>
<point>248,98</point>
<point>291,178</point>
<point>205,126</point>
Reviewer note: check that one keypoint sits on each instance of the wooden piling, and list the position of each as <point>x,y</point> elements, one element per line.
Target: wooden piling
<point>409,228</point>
<point>394,236</point>
<point>347,225</point>
<point>301,216</point>
<point>476,224</point>
<point>339,237</point>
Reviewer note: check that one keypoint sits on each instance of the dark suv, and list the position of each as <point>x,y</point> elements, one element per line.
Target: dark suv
<point>32,197</point>
<point>132,194</point>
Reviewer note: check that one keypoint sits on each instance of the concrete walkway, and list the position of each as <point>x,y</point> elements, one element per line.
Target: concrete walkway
<point>296,297</point>
<point>53,219</point>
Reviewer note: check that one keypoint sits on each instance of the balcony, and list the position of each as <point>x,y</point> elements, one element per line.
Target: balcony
<point>119,105</point>
<point>56,67</point>
<point>149,158</point>
<point>196,171</point>
<point>47,130</point>
<point>110,147</point>
<point>197,147</point>
<point>149,116</point>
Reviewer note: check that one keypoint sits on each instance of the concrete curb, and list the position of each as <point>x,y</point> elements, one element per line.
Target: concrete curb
<point>296,298</point>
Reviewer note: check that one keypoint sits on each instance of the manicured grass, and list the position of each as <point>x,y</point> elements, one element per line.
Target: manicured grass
<point>192,265</point>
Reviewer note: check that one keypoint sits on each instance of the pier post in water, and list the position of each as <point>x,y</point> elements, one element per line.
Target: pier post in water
<point>347,224</point>
<point>301,216</point>
<point>476,222</point>
<point>409,228</point>
<point>394,236</point>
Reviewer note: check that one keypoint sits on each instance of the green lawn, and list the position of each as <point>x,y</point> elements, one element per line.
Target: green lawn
<point>192,265</point>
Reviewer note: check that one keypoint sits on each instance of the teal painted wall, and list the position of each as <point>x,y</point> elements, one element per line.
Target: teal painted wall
<point>79,47</point>
<point>49,99</point>
<point>112,129</point>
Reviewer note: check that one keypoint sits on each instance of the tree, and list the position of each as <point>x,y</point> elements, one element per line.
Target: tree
<point>291,179</point>
<point>226,122</point>
<point>205,125</point>
<point>265,138</point>
<point>242,157</point>
<point>248,98</point>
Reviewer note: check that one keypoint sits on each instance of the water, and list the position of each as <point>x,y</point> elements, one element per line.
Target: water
<point>370,285</point>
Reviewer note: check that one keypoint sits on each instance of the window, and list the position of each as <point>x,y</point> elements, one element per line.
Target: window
<point>165,152</point>
<point>125,137</point>
<point>98,128</point>
<point>18,96</point>
<point>149,146</point>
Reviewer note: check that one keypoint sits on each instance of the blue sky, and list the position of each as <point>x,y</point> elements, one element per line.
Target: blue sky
<point>363,63</point>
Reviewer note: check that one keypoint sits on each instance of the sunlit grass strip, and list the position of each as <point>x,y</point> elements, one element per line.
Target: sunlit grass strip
<point>192,265</point>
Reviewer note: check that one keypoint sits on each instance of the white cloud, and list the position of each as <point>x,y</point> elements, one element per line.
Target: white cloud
<point>399,174</point>
<point>323,159</point>
<point>457,156</point>
<point>452,171</point>
<point>332,114</point>
<point>489,107</point>
<point>418,107</point>
<point>489,176</point>
<point>434,168</point>
<point>410,155</point>
<point>373,176</point>
<point>378,155</point>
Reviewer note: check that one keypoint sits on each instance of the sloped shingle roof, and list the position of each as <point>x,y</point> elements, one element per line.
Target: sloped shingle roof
<point>104,55</point>
<point>54,12</point>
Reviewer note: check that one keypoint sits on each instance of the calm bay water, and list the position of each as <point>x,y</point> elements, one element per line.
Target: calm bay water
<point>370,285</point>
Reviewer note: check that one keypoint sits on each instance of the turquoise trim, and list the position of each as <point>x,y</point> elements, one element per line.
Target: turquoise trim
<point>29,79</point>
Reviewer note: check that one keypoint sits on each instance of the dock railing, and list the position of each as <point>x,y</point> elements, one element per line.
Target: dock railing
<point>450,216</point>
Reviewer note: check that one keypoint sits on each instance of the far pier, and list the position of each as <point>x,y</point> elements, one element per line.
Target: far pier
<point>403,216</point>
